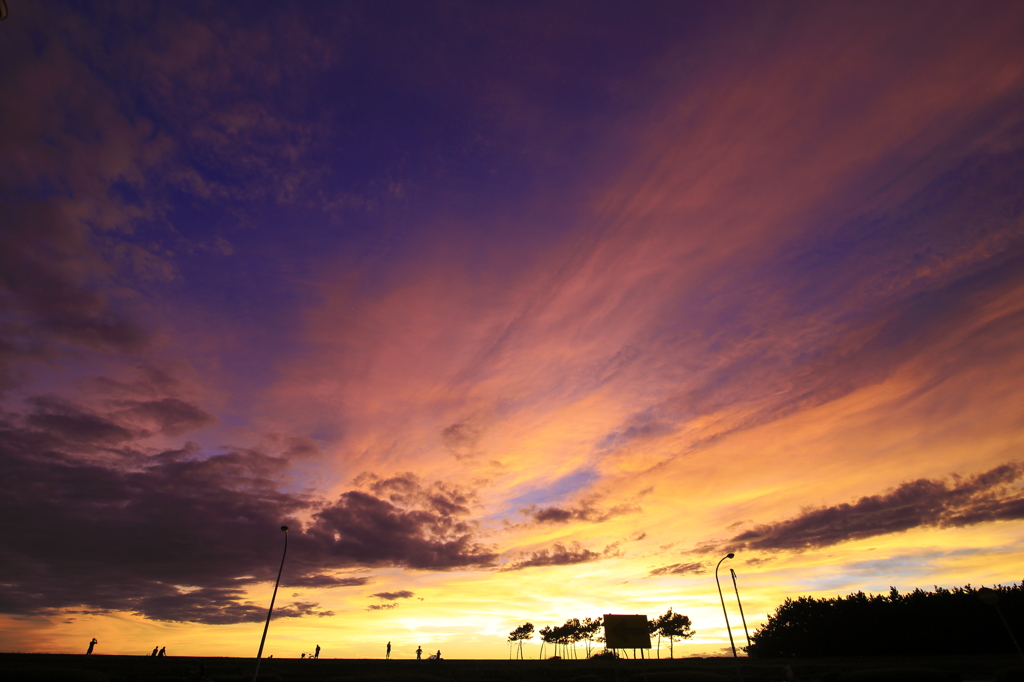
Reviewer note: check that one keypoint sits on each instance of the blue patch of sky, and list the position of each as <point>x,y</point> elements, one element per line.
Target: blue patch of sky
<point>905,572</point>
<point>549,494</point>
<point>642,426</point>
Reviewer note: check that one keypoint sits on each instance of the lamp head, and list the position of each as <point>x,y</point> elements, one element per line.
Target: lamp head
<point>988,596</point>
<point>730,555</point>
<point>284,529</point>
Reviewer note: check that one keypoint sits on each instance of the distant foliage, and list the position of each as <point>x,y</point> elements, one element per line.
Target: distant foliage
<point>945,621</point>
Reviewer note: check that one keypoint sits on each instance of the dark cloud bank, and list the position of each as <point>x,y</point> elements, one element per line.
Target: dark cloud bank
<point>97,524</point>
<point>990,496</point>
<point>994,495</point>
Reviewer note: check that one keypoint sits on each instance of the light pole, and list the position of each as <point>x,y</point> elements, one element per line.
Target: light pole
<point>730,555</point>
<point>991,597</point>
<point>742,617</point>
<point>259,654</point>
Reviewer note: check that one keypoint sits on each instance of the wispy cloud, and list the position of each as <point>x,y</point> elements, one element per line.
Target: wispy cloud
<point>557,555</point>
<point>692,568</point>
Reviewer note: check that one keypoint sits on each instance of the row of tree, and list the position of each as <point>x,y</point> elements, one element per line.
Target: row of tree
<point>672,626</point>
<point>962,620</point>
<point>564,638</point>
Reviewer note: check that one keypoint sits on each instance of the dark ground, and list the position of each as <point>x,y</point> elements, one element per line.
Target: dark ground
<point>98,668</point>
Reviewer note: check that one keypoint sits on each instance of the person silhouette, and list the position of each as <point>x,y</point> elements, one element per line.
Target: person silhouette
<point>316,655</point>
<point>155,649</point>
<point>387,657</point>
<point>303,655</point>
<point>439,654</point>
<point>419,653</point>
<point>92,645</point>
<point>162,652</point>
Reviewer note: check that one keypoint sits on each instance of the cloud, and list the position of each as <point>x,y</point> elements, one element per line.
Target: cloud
<point>988,496</point>
<point>693,568</point>
<point>461,439</point>
<point>407,489</point>
<point>322,580</point>
<point>557,555</point>
<point>585,512</point>
<point>639,428</point>
<point>72,423</point>
<point>392,596</point>
<point>218,606</point>
<point>185,533</point>
<point>381,607</point>
<point>133,420</point>
<point>68,147</point>
<point>168,416</point>
<point>361,529</point>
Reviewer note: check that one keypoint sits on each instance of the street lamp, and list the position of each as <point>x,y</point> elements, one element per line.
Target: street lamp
<point>259,654</point>
<point>730,555</point>
<point>991,597</point>
<point>744,618</point>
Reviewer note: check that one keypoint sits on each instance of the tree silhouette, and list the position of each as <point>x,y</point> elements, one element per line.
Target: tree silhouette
<point>572,632</point>
<point>674,626</point>
<point>654,628</point>
<point>545,638</point>
<point>946,621</point>
<point>521,633</point>
<point>566,636</point>
<point>589,629</point>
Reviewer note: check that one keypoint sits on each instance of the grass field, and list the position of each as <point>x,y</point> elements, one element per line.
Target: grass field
<point>78,668</point>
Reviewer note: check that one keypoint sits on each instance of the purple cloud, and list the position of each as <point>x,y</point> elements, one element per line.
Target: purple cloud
<point>177,535</point>
<point>921,503</point>
<point>557,555</point>
<point>392,596</point>
<point>586,512</point>
<point>693,568</point>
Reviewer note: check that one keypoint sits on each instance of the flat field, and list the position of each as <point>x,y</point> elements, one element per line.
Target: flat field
<point>98,668</point>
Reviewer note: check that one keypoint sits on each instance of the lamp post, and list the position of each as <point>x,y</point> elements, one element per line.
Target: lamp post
<point>742,617</point>
<point>259,654</point>
<point>991,597</point>
<point>730,555</point>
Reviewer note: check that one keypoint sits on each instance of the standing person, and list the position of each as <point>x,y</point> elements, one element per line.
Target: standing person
<point>317,654</point>
<point>439,654</point>
<point>155,649</point>
<point>388,656</point>
<point>92,645</point>
<point>419,653</point>
<point>162,652</point>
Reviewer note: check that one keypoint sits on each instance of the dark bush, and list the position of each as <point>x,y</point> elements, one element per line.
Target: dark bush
<point>604,653</point>
<point>942,622</point>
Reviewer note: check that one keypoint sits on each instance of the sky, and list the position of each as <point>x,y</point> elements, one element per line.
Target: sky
<point>511,311</point>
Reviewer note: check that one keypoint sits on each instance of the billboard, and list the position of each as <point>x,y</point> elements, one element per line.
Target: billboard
<point>626,632</point>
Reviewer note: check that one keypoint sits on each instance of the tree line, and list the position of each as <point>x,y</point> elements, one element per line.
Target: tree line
<point>962,620</point>
<point>564,638</point>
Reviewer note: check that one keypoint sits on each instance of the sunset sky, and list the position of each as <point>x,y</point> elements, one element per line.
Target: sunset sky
<point>512,311</point>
